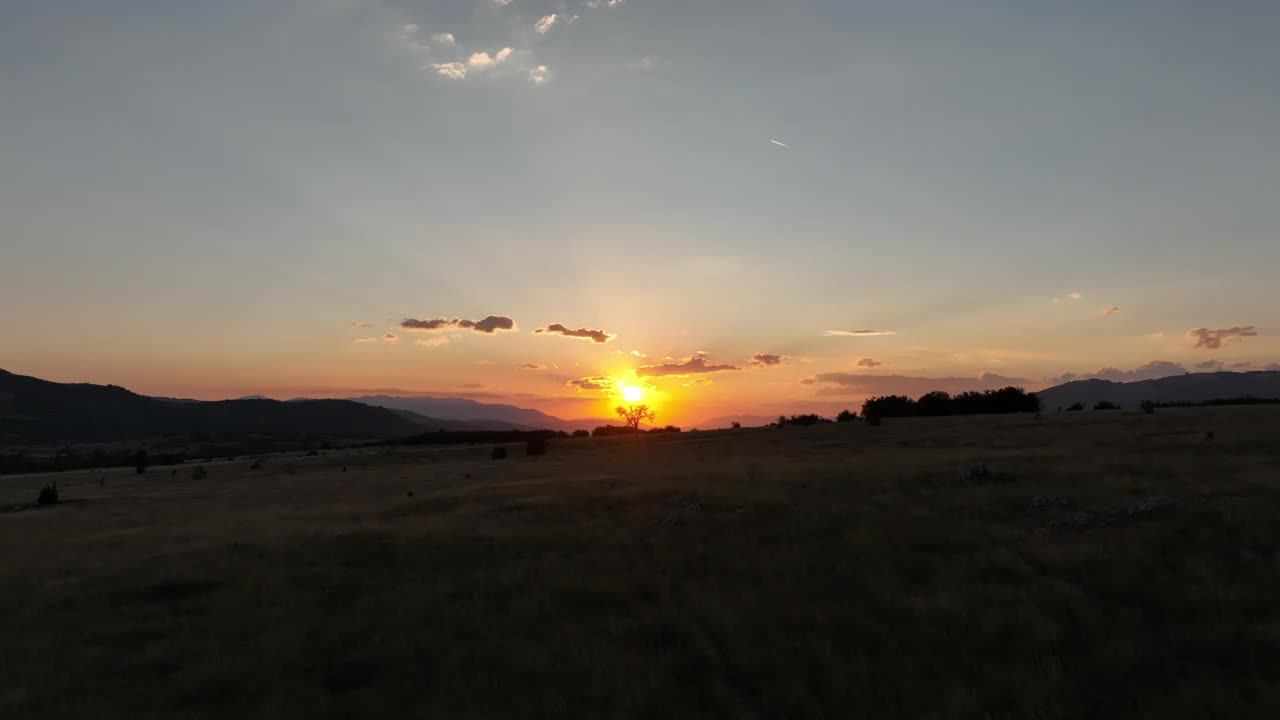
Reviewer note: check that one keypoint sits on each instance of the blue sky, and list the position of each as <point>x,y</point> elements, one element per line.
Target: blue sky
<point>201,198</point>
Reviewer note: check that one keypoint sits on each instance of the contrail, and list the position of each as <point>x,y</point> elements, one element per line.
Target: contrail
<point>775,142</point>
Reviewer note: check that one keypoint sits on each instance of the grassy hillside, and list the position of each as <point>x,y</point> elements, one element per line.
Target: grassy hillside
<point>1089,565</point>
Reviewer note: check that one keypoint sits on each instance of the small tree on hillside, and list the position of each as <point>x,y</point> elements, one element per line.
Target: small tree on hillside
<point>846,416</point>
<point>635,415</point>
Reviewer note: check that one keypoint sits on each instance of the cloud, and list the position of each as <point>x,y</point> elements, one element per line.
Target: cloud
<point>780,144</point>
<point>857,384</point>
<point>488,326</point>
<point>857,333</point>
<point>594,382</point>
<point>638,354</point>
<point>443,38</point>
<point>869,363</point>
<point>451,70</point>
<point>539,74</point>
<point>1074,295</point>
<point>1106,312</point>
<point>1147,371</point>
<point>1153,336</point>
<point>359,324</point>
<point>366,339</point>
<point>699,381</point>
<point>483,60</point>
<point>474,386</point>
<point>503,3</point>
<point>1214,339</point>
<point>389,338</point>
<point>593,4</point>
<point>433,342</point>
<point>545,23</point>
<point>595,336</point>
<point>695,365</point>
<point>1209,365</point>
<point>645,63</point>
<point>766,360</point>
<point>532,366</point>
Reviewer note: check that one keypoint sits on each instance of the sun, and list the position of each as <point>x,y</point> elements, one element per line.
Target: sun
<point>632,394</point>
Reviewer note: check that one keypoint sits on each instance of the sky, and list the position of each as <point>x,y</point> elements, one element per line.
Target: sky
<point>745,206</point>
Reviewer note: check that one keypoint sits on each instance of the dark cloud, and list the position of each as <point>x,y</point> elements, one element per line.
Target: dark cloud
<point>488,326</point>
<point>366,339</point>
<point>532,366</point>
<point>766,360</point>
<point>1209,365</point>
<point>869,363</point>
<point>854,384</point>
<point>361,325</point>
<point>595,382</point>
<point>1147,371</point>
<point>1214,339</point>
<point>695,365</point>
<point>595,336</point>
<point>808,381</point>
<point>390,338</point>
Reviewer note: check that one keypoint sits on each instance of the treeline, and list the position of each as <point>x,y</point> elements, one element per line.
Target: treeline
<point>1217,402</point>
<point>615,430</point>
<point>468,437</point>
<point>938,403</point>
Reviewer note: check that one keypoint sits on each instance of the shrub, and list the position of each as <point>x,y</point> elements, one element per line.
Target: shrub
<point>140,461</point>
<point>873,419</point>
<point>802,420</point>
<point>582,433</point>
<point>846,416</point>
<point>611,430</point>
<point>312,453</point>
<point>257,463</point>
<point>736,425</point>
<point>1105,405</point>
<point>535,447</point>
<point>499,453</point>
<point>1075,407</point>
<point>1148,407</point>
<point>48,495</point>
<point>199,473</point>
<point>667,429</point>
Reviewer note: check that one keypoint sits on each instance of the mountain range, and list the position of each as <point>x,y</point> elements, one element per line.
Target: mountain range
<point>39,411</point>
<point>1193,387</point>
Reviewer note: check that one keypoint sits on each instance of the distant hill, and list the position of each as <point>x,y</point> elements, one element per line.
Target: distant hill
<point>38,411</point>
<point>499,417</point>
<point>1195,387</point>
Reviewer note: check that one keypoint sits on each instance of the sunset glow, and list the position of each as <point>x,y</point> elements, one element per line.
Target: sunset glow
<point>632,394</point>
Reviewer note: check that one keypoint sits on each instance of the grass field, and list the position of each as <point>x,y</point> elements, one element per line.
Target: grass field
<point>1104,565</point>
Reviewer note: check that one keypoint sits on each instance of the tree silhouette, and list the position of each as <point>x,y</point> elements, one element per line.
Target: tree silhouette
<point>635,415</point>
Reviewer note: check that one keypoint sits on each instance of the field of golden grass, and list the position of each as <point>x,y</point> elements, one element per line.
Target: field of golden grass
<point>1086,565</point>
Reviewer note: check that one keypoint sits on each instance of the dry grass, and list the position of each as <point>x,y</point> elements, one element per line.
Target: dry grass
<point>1105,565</point>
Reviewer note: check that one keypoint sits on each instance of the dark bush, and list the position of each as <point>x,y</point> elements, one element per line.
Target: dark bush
<point>1148,407</point>
<point>582,433</point>
<point>736,425</point>
<point>1105,405</point>
<point>499,453</point>
<point>535,447</point>
<point>802,420</point>
<point>846,416</point>
<point>313,453</point>
<point>140,461</point>
<point>1075,407</point>
<point>199,473</point>
<point>48,495</point>
<point>667,429</point>
<point>873,419</point>
<point>257,463</point>
<point>611,430</point>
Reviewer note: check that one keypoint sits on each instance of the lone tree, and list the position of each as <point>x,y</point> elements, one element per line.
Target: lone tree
<point>635,415</point>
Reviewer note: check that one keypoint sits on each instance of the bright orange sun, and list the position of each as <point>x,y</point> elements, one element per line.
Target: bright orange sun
<point>632,394</point>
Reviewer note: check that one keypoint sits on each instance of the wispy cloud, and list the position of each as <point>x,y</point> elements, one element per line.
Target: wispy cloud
<point>1109,311</point>
<point>869,363</point>
<point>433,342</point>
<point>359,324</point>
<point>645,63</point>
<point>539,74</point>
<point>389,338</point>
<point>695,365</point>
<point>766,360</point>
<point>1214,339</point>
<point>532,366</point>
<point>780,144</point>
<point>366,339</point>
<point>1209,365</point>
<point>451,70</point>
<point>443,38</point>
<point>489,325</point>
<point>857,333</point>
<point>594,4</point>
<point>545,23</point>
<point>595,336</point>
<point>1074,295</point>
